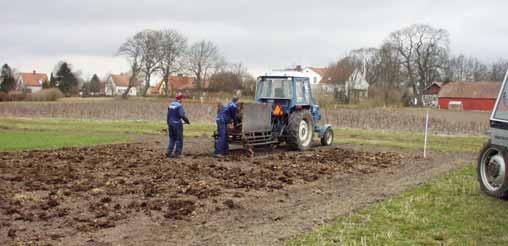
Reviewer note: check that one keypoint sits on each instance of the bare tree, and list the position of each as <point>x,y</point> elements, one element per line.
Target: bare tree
<point>150,55</point>
<point>462,68</point>
<point>172,47</point>
<point>365,59</point>
<point>498,70</point>
<point>337,73</point>
<point>132,50</point>
<point>248,81</point>
<point>423,53</point>
<point>386,68</point>
<point>201,59</point>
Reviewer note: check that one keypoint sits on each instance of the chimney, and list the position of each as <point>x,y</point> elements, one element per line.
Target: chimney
<point>298,68</point>
<point>34,72</point>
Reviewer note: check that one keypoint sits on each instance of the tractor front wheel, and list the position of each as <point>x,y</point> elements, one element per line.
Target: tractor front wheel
<point>327,138</point>
<point>300,130</point>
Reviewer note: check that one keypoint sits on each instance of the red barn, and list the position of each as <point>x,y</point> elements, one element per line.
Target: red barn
<point>430,98</point>
<point>469,95</point>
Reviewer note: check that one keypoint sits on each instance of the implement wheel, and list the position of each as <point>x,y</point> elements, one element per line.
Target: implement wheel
<point>300,130</point>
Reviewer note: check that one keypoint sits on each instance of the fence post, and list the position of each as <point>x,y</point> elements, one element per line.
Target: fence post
<point>426,134</point>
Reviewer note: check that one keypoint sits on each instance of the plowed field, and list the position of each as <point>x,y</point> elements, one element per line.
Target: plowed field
<point>76,195</point>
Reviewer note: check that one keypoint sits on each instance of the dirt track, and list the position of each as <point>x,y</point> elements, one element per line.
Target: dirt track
<point>129,194</point>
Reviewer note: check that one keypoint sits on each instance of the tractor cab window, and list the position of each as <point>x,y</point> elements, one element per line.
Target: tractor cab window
<point>307,91</point>
<point>501,110</point>
<point>274,88</point>
<point>302,92</point>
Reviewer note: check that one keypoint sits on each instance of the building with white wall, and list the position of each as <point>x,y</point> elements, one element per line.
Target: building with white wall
<point>117,84</point>
<point>32,82</point>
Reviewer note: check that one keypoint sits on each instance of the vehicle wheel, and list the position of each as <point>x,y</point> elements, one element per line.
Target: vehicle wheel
<point>492,172</point>
<point>300,130</point>
<point>327,138</point>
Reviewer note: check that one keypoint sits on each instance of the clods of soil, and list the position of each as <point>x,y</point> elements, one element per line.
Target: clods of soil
<point>48,195</point>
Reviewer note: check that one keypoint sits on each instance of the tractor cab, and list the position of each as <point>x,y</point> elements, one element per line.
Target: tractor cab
<point>287,94</point>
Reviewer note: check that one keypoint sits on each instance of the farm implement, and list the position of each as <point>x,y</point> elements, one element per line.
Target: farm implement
<point>284,112</point>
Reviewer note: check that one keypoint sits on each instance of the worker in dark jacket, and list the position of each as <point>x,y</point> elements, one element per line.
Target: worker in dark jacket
<point>176,115</point>
<point>225,115</point>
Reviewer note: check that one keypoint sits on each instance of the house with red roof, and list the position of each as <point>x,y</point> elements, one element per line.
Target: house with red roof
<point>176,83</point>
<point>31,82</point>
<point>117,84</point>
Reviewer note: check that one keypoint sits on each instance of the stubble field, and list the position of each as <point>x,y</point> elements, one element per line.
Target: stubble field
<point>390,119</point>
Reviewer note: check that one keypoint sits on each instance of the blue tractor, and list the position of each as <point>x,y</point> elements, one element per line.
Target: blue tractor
<point>285,112</point>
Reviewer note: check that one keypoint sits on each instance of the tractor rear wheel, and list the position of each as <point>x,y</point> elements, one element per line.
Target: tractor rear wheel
<point>492,171</point>
<point>300,130</point>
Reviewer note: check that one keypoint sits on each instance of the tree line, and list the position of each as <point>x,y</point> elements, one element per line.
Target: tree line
<point>150,53</point>
<point>410,59</point>
<point>67,81</point>
<point>167,52</point>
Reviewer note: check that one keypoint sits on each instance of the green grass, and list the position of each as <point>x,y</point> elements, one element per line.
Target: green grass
<point>134,127</point>
<point>81,125</point>
<point>23,133</point>
<point>450,210</point>
<point>20,140</point>
<point>405,140</point>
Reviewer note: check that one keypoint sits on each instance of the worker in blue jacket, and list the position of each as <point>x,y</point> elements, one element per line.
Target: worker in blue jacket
<point>176,115</point>
<point>225,115</point>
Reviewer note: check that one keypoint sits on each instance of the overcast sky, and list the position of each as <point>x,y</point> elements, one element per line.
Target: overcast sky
<point>261,34</point>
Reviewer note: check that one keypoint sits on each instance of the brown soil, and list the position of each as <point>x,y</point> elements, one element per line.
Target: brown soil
<point>129,194</point>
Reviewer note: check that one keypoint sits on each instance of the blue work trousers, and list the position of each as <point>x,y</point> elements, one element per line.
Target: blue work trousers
<point>175,132</point>
<point>222,145</point>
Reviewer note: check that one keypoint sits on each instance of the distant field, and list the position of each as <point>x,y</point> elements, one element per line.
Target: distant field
<point>410,119</point>
<point>154,109</point>
<point>105,109</point>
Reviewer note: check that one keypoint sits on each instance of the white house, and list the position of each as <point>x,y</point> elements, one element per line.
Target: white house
<point>354,89</point>
<point>314,74</point>
<point>117,84</point>
<point>32,82</point>
<point>357,83</point>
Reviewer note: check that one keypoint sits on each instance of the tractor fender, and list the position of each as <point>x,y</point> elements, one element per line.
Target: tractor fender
<point>323,129</point>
